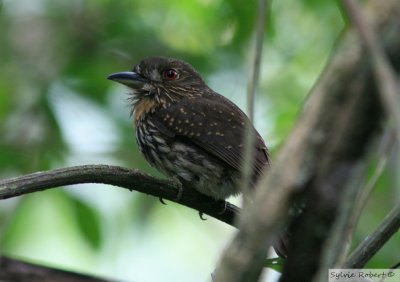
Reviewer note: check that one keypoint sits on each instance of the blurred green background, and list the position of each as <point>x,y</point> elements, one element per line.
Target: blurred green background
<point>57,109</point>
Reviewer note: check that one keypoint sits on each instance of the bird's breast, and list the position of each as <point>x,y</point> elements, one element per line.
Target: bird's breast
<point>188,163</point>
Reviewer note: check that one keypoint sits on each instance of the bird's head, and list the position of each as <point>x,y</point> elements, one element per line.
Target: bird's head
<point>162,79</point>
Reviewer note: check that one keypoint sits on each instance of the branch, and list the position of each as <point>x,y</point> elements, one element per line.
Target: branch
<point>374,242</point>
<point>383,71</point>
<point>336,248</point>
<point>341,117</point>
<point>250,135</point>
<point>338,241</point>
<point>388,145</point>
<point>322,208</point>
<point>255,72</point>
<point>15,270</point>
<point>131,179</point>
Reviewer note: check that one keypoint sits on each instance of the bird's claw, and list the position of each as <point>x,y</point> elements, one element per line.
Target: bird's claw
<point>162,201</point>
<point>201,216</point>
<point>179,195</point>
<point>225,204</point>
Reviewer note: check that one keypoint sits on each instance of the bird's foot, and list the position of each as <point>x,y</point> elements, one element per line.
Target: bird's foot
<point>177,198</point>
<point>201,214</point>
<point>162,201</point>
<point>179,195</point>
<point>224,205</point>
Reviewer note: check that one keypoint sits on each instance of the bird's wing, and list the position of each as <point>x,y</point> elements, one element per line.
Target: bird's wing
<point>215,125</point>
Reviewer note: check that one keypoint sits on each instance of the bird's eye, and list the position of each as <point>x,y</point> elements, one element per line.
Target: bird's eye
<point>170,74</point>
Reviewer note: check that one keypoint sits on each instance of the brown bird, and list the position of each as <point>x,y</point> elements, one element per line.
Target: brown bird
<point>187,130</point>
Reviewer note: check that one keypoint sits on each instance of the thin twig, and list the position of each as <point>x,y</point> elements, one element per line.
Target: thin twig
<point>255,73</point>
<point>374,242</point>
<point>131,179</point>
<point>397,265</point>
<point>250,136</point>
<point>388,142</point>
<point>248,156</point>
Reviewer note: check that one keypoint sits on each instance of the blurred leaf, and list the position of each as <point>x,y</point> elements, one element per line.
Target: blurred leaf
<point>343,12</point>
<point>49,214</point>
<point>89,223</point>
<point>275,263</point>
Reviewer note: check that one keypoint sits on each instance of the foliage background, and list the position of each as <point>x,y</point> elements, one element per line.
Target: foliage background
<point>57,109</point>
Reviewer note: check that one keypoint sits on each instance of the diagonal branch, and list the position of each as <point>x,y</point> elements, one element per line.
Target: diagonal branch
<point>340,118</point>
<point>384,73</point>
<point>350,209</point>
<point>374,242</point>
<point>250,136</point>
<point>131,179</point>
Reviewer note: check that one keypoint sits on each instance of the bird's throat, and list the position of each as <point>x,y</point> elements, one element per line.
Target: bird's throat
<point>144,106</point>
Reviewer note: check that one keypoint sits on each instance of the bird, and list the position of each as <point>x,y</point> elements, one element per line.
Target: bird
<point>187,130</point>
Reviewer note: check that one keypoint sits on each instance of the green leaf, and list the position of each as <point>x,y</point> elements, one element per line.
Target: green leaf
<point>89,223</point>
<point>275,263</point>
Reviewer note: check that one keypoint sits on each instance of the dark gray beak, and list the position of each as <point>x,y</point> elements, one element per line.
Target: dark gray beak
<point>129,78</point>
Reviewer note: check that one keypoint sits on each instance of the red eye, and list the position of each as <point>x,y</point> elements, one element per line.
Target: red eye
<point>170,74</point>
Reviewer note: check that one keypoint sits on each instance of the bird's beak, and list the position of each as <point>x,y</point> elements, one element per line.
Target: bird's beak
<point>129,78</point>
